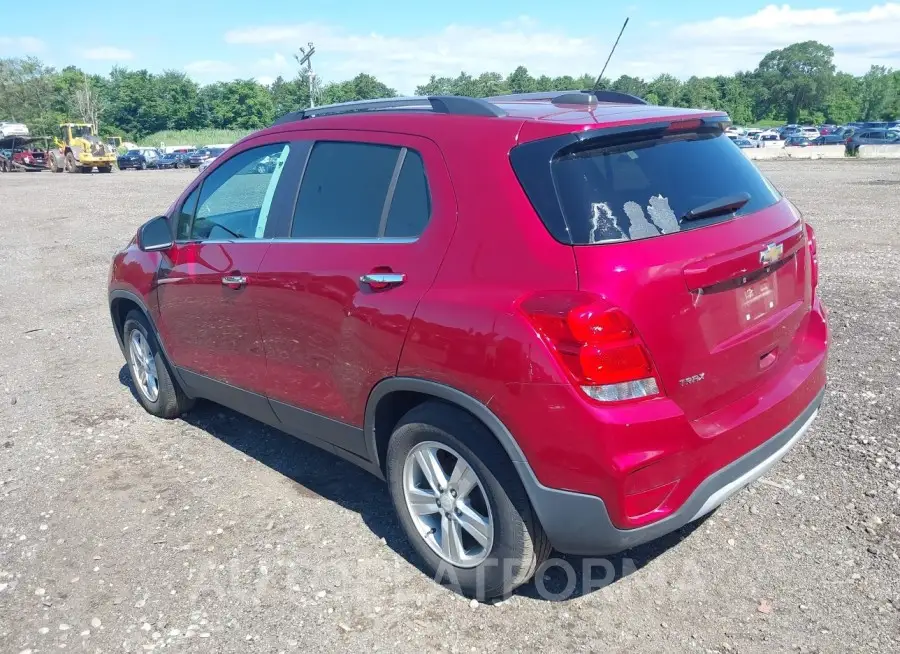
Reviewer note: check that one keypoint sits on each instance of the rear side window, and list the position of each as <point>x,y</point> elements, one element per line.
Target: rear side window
<point>643,189</point>
<point>410,205</point>
<point>361,191</point>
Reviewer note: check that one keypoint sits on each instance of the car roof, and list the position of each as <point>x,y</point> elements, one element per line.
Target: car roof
<point>526,116</point>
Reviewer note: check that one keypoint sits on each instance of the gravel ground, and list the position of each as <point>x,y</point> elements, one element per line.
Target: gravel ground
<point>121,532</point>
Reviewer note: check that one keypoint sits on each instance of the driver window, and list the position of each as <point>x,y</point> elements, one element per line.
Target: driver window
<point>235,198</point>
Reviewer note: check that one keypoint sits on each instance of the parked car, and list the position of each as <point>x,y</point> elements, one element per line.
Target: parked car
<point>13,129</point>
<point>138,159</point>
<point>171,160</point>
<point>796,141</point>
<point>828,139</point>
<point>26,156</point>
<point>205,164</point>
<point>744,143</point>
<point>787,130</point>
<point>867,136</point>
<point>474,299</point>
<point>203,155</point>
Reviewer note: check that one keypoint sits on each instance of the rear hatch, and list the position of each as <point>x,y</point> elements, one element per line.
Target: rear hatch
<point>674,225</point>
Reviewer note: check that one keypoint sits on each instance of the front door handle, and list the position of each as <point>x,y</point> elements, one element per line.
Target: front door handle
<point>381,280</point>
<point>234,281</point>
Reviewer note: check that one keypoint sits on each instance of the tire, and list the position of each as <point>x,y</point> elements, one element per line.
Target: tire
<point>105,169</point>
<point>179,165</point>
<point>71,166</point>
<point>169,401</point>
<point>518,544</point>
<point>143,165</point>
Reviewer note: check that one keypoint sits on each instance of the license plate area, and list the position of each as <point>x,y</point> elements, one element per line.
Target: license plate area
<point>758,299</point>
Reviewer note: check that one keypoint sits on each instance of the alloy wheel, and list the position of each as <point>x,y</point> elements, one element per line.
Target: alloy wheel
<point>143,366</point>
<point>448,504</point>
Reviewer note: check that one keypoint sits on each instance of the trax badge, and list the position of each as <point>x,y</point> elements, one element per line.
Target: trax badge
<point>771,253</point>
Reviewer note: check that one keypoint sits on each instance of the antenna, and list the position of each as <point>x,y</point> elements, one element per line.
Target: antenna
<point>307,53</point>
<point>597,83</point>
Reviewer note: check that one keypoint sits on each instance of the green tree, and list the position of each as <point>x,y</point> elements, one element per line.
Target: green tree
<point>361,87</point>
<point>27,93</point>
<point>179,100</point>
<point>666,90</point>
<point>736,100</point>
<point>436,86</point>
<point>877,93</point>
<point>290,95</point>
<point>700,93</point>
<point>520,81</point>
<point>631,85</point>
<point>241,104</point>
<point>843,104</point>
<point>799,77</point>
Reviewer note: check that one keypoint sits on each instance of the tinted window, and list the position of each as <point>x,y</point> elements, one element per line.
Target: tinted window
<point>343,191</point>
<point>235,198</point>
<point>185,215</point>
<point>410,205</point>
<point>642,189</point>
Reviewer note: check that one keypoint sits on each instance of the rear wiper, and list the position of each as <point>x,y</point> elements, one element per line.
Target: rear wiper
<point>723,205</point>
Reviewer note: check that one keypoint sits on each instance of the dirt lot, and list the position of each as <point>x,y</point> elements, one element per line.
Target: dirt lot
<point>121,532</point>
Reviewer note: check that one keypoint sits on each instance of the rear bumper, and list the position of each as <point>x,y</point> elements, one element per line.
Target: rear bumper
<point>580,524</point>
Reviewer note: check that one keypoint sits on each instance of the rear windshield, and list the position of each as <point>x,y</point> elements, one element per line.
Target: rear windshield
<point>644,189</point>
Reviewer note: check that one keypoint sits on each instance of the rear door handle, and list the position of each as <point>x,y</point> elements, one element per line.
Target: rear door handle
<point>383,280</point>
<point>234,281</point>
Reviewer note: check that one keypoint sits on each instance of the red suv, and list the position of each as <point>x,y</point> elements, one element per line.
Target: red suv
<point>568,320</point>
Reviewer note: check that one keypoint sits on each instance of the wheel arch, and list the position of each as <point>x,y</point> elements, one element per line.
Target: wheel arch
<point>393,397</point>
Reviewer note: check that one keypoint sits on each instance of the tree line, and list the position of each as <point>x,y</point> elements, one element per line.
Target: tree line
<point>798,83</point>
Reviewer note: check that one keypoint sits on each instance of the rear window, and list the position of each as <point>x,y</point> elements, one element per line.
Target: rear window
<point>643,189</point>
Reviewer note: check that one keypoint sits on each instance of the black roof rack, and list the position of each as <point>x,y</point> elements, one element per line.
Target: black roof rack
<point>442,104</point>
<point>571,97</point>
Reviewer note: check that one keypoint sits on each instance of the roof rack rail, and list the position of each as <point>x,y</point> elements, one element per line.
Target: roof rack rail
<point>442,104</point>
<point>572,97</point>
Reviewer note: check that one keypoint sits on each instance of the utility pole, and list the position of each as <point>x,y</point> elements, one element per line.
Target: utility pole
<point>305,57</point>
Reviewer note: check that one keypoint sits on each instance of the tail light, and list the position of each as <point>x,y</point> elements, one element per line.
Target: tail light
<point>813,255</point>
<point>596,344</point>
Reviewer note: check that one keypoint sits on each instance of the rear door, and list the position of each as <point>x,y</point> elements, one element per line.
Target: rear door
<point>373,219</point>
<point>719,299</point>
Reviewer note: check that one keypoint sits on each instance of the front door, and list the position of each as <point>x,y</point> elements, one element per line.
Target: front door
<point>207,318</point>
<point>372,221</point>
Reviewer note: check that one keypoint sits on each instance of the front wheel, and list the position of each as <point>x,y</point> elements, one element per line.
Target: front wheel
<point>157,391</point>
<point>461,503</point>
<point>71,166</point>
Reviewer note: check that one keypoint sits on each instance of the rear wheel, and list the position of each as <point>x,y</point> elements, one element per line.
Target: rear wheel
<point>461,503</point>
<point>143,165</point>
<point>71,166</point>
<point>156,389</point>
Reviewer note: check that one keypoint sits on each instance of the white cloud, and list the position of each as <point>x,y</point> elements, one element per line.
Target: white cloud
<point>107,53</point>
<point>859,38</point>
<point>210,68</point>
<point>17,46</point>
<point>404,62</point>
<point>720,45</point>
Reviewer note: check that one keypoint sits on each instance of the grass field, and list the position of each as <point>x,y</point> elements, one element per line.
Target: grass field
<point>196,137</point>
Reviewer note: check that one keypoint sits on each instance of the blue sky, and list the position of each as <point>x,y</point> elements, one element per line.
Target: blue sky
<point>403,41</point>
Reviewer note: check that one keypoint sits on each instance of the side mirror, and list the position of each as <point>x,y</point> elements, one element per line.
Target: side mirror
<point>155,234</point>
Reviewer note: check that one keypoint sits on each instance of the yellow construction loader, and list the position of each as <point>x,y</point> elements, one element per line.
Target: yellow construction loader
<point>78,149</point>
